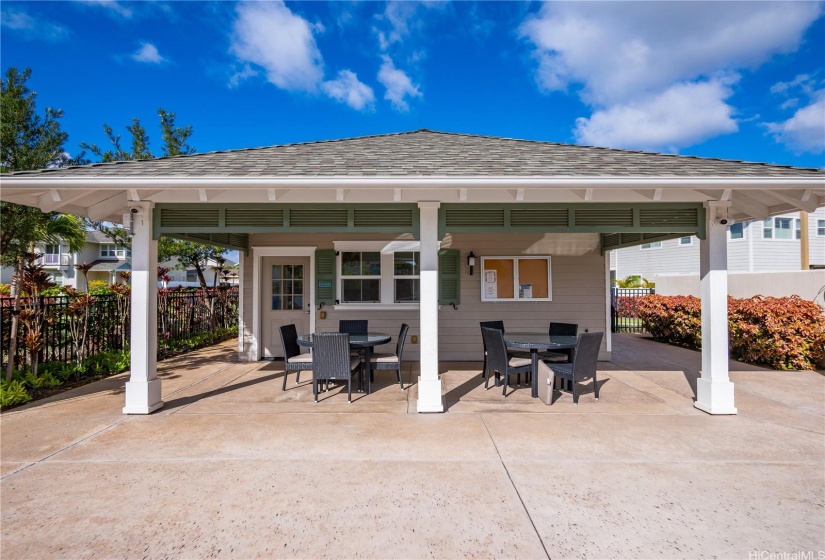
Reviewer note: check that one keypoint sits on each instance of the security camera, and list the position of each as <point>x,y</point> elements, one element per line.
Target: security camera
<point>133,210</point>
<point>725,221</point>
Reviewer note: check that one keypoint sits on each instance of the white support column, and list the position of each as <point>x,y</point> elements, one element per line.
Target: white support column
<point>714,390</point>
<point>429,383</point>
<point>143,388</point>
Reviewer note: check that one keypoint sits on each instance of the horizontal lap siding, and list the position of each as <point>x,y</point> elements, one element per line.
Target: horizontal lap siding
<point>578,286</point>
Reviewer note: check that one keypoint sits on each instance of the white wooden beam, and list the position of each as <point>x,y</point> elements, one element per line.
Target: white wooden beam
<point>749,206</point>
<point>809,205</point>
<point>462,195</point>
<point>340,194</point>
<point>520,195</point>
<point>202,195</point>
<point>133,195</point>
<point>657,195</point>
<point>396,195</point>
<point>588,195</point>
<point>726,195</point>
<point>63,201</point>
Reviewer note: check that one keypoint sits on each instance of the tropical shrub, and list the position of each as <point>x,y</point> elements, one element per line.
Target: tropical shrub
<point>783,333</point>
<point>99,287</point>
<point>5,290</point>
<point>13,393</point>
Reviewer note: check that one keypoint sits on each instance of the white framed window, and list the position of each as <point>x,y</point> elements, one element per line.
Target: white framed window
<point>780,228</point>
<point>407,276</point>
<point>378,273</point>
<point>516,279</point>
<point>651,245</point>
<point>820,228</point>
<point>112,251</point>
<point>51,255</point>
<point>736,231</point>
<point>686,241</point>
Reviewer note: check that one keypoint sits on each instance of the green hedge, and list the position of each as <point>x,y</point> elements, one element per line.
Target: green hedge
<point>783,333</point>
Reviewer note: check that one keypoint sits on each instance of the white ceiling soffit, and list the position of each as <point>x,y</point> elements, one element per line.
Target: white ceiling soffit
<point>108,198</point>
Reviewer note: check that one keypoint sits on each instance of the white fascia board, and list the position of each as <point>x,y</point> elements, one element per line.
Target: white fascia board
<point>392,182</point>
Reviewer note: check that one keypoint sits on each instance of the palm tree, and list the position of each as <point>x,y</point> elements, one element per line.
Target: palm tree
<point>21,229</point>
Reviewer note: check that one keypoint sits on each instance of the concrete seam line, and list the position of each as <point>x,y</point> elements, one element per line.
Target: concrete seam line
<point>523,505</point>
<point>64,449</point>
<point>205,379</point>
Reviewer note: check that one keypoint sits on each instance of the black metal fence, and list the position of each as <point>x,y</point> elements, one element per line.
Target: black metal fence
<point>624,309</point>
<point>181,315</point>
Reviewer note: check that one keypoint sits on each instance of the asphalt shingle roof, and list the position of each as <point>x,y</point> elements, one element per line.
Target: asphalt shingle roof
<point>428,153</point>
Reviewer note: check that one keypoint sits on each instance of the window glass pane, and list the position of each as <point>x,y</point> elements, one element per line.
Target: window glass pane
<point>287,271</point>
<point>685,241</point>
<point>783,228</point>
<point>406,264</point>
<point>350,264</point>
<point>371,264</point>
<point>361,290</point>
<point>737,231</point>
<point>652,245</point>
<point>276,272</point>
<point>298,287</point>
<point>820,227</point>
<point>798,229</point>
<point>767,229</point>
<point>298,270</point>
<point>406,290</point>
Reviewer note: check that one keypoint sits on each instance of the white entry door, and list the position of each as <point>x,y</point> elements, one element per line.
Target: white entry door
<point>285,287</point>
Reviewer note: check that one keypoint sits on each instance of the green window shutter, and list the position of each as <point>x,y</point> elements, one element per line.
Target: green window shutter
<point>449,272</point>
<point>325,277</point>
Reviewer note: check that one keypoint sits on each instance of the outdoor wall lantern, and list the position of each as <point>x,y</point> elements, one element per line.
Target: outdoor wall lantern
<point>471,261</point>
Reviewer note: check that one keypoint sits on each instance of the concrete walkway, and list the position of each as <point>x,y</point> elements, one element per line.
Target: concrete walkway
<point>234,467</point>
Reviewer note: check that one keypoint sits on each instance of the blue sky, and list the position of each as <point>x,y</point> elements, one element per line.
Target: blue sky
<point>738,80</point>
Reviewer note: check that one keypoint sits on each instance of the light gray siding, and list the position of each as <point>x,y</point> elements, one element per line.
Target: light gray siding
<point>578,289</point>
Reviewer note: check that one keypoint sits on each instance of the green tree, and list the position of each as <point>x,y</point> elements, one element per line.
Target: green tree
<point>190,255</point>
<point>29,141</point>
<point>174,140</point>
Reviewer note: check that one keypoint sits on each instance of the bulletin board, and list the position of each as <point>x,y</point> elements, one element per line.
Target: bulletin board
<point>515,279</point>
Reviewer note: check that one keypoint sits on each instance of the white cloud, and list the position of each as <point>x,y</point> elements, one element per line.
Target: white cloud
<point>31,28</point>
<point>246,72</point>
<point>616,53</point>
<point>269,35</point>
<point>682,115</point>
<point>113,6</point>
<point>805,130</point>
<point>348,89</point>
<point>148,53</point>
<point>398,84</point>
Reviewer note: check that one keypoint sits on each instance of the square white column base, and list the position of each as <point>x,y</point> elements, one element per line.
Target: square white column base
<point>714,397</point>
<point>142,397</point>
<point>429,396</point>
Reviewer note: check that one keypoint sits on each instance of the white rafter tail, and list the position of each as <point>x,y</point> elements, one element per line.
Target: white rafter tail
<point>588,195</point>
<point>749,206</point>
<point>806,196</point>
<point>462,195</point>
<point>48,204</point>
<point>55,195</point>
<point>657,194</point>
<point>202,195</point>
<point>113,205</point>
<point>396,195</point>
<point>340,194</point>
<point>133,195</point>
<point>727,195</point>
<point>520,195</point>
<point>271,195</point>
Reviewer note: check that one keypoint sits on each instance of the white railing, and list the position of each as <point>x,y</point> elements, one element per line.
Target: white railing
<point>54,259</point>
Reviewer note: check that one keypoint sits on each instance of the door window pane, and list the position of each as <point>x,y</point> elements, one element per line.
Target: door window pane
<point>287,287</point>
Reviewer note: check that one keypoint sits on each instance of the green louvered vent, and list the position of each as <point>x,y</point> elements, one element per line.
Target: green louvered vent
<point>469,217</point>
<point>611,240</point>
<point>632,238</point>
<point>550,217</point>
<point>259,217</point>
<point>332,217</point>
<point>653,217</point>
<point>189,217</point>
<point>203,236</point>
<point>385,217</point>
<point>622,217</point>
<point>239,240</point>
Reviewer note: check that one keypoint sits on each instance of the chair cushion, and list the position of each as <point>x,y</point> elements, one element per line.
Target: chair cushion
<point>520,362</point>
<point>301,359</point>
<point>384,358</point>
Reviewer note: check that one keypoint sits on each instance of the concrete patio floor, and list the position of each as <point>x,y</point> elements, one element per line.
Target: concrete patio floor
<point>234,467</point>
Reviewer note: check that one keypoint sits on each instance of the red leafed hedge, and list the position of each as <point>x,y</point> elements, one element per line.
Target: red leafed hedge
<point>783,333</point>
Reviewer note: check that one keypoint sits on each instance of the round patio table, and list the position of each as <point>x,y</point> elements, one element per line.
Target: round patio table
<point>534,342</point>
<point>365,341</point>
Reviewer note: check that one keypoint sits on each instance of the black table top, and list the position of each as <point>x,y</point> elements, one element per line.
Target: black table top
<point>538,341</point>
<point>356,340</point>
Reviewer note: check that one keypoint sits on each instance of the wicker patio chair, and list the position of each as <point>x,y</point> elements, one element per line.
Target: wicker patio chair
<point>332,362</point>
<point>583,366</point>
<point>352,326</point>
<point>499,361</point>
<point>293,359</point>
<point>499,325</point>
<point>392,361</point>
<point>560,329</point>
